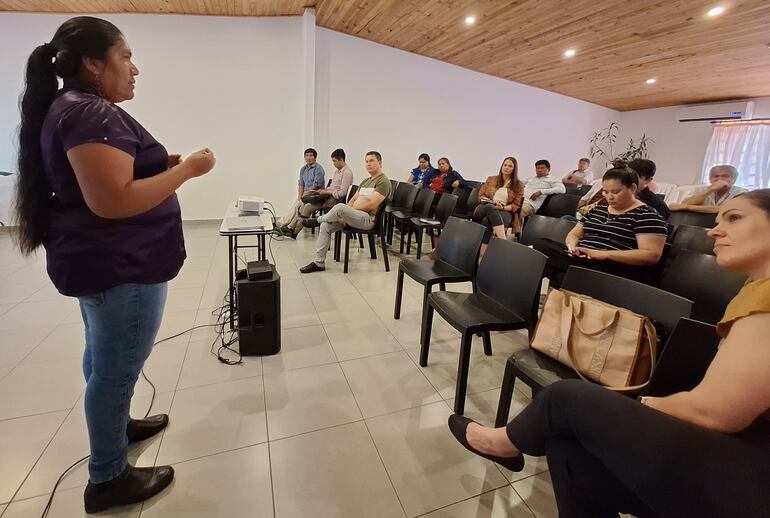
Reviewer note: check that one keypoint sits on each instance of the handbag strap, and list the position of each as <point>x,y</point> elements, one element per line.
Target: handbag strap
<point>576,305</point>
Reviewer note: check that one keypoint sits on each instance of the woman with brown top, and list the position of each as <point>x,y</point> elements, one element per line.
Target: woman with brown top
<point>499,202</point>
<point>704,452</point>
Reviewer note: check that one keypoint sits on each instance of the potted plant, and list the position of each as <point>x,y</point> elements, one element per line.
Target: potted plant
<point>603,145</point>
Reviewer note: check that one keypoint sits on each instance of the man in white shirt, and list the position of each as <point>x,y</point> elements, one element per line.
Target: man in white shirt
<point>722,188</point>
<point>537,188</point>
<point>581,175</point>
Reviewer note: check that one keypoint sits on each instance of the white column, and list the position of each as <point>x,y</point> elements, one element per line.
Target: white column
<point>308,46</point>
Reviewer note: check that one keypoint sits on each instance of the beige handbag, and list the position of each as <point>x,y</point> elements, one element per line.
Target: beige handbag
<point>606,344</point>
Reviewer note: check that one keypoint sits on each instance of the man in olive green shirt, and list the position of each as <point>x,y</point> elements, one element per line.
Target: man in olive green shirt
<point>359,212</point>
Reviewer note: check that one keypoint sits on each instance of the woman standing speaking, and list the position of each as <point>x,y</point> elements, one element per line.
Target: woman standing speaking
<point>97,191</point>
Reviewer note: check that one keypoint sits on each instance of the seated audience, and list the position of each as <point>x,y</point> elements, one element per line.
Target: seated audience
<point>500,200</point>
<point>581,175</point>
<point>311,178</point>
<point>423,168</point>
<point>444,179</point>
<point>536,189</point>
<point>359,212</point>
<point>624,237</point>
<point>722,189</point>
<point>336,193</point>
<point>703,452</point>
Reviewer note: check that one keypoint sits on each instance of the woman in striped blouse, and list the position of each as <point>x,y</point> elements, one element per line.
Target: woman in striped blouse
<point>624,237</point>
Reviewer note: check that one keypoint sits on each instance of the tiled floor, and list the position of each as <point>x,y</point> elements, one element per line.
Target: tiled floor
<point>342,423</point>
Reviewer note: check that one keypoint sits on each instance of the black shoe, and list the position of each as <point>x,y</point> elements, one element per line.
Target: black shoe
<point>132,486</point>
<point>141,429</point>
<point>310,223</point>
<point>312,267</point>
<point>458,424</point>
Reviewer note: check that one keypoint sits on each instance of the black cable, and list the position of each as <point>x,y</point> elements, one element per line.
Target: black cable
<point>152,402</point>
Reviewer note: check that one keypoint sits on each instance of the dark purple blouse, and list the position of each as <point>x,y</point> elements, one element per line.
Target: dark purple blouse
<point>87,254</point>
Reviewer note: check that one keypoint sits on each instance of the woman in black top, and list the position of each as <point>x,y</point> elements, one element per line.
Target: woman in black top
<point>624,237</point>
<point>98,192</point>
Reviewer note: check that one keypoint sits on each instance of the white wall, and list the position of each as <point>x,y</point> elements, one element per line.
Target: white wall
<point>679,146</point>
<point>370,96</point>
<point>232,84</point>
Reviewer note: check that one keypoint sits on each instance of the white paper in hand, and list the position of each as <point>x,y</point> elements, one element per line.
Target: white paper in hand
<point>366,191</point>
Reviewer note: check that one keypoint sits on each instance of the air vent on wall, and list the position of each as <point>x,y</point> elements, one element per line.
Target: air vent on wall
<point>739,110</point>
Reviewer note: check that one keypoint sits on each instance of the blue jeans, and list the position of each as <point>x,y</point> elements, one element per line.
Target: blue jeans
<point>121,325</point>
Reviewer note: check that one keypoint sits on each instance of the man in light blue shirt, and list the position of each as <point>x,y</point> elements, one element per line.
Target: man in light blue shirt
<point>311,178</point>
<point>311,175</point>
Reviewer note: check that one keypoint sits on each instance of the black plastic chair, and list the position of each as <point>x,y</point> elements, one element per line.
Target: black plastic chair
<point>699,278</point>
<point>445,207</point>
<point>506,298</point>
<point>377,230</point>
<point>393,187</point>
<point>423,204</point>
<point>558,205</point>
<point>689,237</point>
<point>473,184</point>
<point>462,193</point>
<point>697,219</point>
<point>403,201</point>
<point>458,256</point>
<point>579,190</point>
<point>689,351</point>
<point>538,227</point>
<point>466,211</point>
<point>538,370</point>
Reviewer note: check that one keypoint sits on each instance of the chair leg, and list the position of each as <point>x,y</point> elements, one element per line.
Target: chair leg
<point>401,244</point>
<point>399,293</point>
<point>418,231</point>
<point>409,242</point>
<point>487,343</point>
<point>337,245</point>
<point>389,229</point>
<point>463,365</point>
<point>372,248</point>
<point>427,325</point>
<point>385,252</point>
<point>442,286</point>
<point>506,395</point>
<point>360,240</point>
<point>347,252</point>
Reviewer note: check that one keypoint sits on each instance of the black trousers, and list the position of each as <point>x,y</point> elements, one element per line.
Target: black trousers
<point>490,216</point>
<point>559,261</point>
<point>608,453</point>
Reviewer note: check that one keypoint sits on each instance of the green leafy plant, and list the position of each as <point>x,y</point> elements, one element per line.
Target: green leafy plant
<point>603,145</point>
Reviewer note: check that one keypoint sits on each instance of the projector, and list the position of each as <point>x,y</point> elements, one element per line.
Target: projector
<point>251,204</point>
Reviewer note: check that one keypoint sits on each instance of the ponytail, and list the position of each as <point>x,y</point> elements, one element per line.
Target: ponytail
<point>33,193</point>
<point>79,37</point>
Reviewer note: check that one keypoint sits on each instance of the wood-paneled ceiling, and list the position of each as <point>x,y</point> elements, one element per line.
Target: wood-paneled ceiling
<point>619,44</point>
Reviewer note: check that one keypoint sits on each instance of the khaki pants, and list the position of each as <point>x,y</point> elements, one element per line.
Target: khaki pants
<point>527,209</point>
<point>302,211</point>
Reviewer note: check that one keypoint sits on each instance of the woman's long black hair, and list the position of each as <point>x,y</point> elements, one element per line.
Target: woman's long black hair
<point>79,37</point>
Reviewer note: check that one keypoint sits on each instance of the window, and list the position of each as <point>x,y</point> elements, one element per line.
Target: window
<point>745,145</point>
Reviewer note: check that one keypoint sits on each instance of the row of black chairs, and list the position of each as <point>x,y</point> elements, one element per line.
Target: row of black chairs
<point>688,267</point>
<point>506,291</point>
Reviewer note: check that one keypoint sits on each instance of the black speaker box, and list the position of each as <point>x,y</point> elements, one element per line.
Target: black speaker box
<point>259,315</point>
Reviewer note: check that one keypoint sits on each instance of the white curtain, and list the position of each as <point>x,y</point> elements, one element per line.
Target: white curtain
<point>744,145</point>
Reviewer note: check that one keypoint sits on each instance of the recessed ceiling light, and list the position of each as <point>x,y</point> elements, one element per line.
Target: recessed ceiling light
<point>651,81</point>
<point>716,11</point>
<point>470,20</point>
<point>569,53</point>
